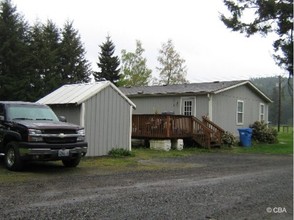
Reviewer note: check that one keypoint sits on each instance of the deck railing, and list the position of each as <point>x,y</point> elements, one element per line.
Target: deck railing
<point>217,131</point>
<point>201,133</point>
<point>161,126</point>
<point>171,126</point>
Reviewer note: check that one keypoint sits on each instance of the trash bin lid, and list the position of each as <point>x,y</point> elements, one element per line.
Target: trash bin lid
<point>247,130</point>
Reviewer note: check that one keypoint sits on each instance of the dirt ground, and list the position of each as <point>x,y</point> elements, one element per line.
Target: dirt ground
<point>204,186</point>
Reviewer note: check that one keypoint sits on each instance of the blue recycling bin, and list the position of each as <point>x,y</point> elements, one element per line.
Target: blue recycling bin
<point>245,136</point>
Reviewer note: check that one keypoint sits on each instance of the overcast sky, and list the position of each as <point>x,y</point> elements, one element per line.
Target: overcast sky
<point>212,52</point>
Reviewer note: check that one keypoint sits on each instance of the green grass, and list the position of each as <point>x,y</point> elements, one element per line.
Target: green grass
<point>285,145</point>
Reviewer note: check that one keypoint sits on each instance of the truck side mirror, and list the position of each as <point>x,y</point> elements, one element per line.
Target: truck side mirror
<point>62,119</point>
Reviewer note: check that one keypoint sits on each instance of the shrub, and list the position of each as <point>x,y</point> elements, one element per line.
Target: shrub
<point>120,152</point>
<point>228,139</point>
<point>261,133</point>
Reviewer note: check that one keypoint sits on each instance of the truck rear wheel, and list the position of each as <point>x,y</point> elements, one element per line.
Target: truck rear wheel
<point>12,158</point>
<point>73,162</point>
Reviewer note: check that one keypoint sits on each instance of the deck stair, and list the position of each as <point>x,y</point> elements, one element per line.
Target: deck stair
<point>157,126</point>
<point>217,131</point>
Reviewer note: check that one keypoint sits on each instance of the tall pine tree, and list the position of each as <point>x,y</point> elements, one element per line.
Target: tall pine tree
<point>74,66</point>
<point>37,60</point>
<point>57,58</point>
<point>108,63</point>
<point>45,47</point>
<point>14,70</point>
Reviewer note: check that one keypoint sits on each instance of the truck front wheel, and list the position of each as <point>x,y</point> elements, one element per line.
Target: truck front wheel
<point>12,159</point>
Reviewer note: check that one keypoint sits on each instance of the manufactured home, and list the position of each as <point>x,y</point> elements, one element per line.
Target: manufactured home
<point>229,104</point>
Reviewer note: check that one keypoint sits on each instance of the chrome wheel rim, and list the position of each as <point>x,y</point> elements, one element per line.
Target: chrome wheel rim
<point>10,157</point>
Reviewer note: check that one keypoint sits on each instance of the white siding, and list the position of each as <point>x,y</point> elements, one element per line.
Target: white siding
<point>225,108</point>
<point>202,106</point>
<point>152,105</point>
<point>107,122</point>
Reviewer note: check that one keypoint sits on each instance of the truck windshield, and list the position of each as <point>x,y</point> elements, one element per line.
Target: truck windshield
<point>30,112</point>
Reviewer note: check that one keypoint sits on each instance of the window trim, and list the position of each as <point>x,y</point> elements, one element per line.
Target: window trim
<point>241,112</point>
<point>185,98</point>
<point>261,114</point>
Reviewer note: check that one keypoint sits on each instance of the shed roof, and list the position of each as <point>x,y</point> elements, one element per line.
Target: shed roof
<point>79,93</point>
<point>192,88</point>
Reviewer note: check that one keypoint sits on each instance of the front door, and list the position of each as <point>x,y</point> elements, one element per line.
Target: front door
<point>188,106</point>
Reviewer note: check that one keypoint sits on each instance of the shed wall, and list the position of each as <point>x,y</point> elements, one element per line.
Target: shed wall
<point>107,122</point>
<point>224,108</point>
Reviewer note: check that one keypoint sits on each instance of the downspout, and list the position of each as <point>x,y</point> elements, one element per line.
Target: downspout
<point>209,96</point>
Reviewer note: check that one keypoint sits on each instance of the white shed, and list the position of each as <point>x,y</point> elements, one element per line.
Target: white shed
<point>100,107</point>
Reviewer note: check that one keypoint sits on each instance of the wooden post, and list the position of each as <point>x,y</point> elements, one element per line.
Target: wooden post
<point>168,126</point>
<point>279,103</point>
<point>191,125</point>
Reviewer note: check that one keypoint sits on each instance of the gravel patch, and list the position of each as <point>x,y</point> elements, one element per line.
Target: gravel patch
<point>205,186</point>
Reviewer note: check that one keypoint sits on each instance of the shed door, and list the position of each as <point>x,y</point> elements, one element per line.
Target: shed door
<point>188,106</point>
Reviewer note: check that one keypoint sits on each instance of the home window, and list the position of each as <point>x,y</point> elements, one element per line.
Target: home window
<point>261,112</point>
<point>240,112</point>
<point>187,107</point>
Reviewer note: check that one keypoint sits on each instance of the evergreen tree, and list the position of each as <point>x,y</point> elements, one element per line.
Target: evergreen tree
<point>269,16</point>
<point>172,69</point>
<point>74,66</point>
<point>14,70</point>
<point>45,47</point>
<point>269,85</point>
<point>134,69</point>
<point>36,60</point>
<point>108,63</point>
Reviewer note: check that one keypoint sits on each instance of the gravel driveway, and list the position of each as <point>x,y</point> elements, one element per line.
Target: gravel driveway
<point>204,186</point>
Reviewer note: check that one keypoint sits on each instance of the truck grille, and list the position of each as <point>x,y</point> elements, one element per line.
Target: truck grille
<point>54,138</point>
<point>59,131</point>
<point>57,140</point>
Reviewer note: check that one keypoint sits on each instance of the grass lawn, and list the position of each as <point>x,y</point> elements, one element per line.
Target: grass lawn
<point>285,145</point>
<point>142,159</point>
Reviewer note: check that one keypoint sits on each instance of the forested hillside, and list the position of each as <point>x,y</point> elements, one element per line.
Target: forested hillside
<point>270,86</point>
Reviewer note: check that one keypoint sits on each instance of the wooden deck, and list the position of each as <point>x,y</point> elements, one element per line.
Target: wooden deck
<point>148,126</point>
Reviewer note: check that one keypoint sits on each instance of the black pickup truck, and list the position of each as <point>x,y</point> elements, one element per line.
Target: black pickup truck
<point>32,131</point>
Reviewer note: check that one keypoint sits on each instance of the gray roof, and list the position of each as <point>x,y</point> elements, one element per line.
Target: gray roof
<point>186,89</point>
<point>79,93</point>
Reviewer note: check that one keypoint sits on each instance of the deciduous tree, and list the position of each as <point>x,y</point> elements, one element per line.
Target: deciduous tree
<point>134,68</point>
<point>172,69</point>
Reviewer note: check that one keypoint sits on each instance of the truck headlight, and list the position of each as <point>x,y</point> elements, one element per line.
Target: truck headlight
<point>35,135</point>
<point>81,134</point>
